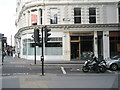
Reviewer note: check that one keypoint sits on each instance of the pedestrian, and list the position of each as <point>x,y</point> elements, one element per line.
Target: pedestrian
<point>8,51</point>
<point>3,54</point>
<point>13,50</point>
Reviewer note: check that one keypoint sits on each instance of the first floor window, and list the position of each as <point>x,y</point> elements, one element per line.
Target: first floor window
<point>92,15</point>
<point>77,15</point>
<point>34,17</point>
<point>53,16</point>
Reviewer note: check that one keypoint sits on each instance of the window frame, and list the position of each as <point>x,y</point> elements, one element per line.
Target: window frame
<point>92,15</point>
<point>53,20</point>
<point>77,15</point>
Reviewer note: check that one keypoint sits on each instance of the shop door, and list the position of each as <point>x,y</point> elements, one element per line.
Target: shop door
<point>74,50</point>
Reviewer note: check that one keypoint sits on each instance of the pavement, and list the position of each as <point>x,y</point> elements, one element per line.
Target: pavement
<point>25,61</point>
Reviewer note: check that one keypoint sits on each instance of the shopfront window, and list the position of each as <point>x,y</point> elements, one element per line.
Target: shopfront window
<point>31,50</point>
<point>28,49</point>
<point>53,48</point>
<point>86,44</point>
<point>24,47</point>
<point>114,43</point>
<point>81,47</point>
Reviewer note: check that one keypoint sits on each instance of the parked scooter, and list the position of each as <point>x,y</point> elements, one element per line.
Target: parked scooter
<point>89,65</point>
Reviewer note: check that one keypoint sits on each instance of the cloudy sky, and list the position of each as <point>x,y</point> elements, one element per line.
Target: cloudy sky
<point>7,18</point>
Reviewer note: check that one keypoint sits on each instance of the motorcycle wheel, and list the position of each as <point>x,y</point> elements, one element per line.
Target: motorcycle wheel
<point>102,69</point>
<point>85,69</point>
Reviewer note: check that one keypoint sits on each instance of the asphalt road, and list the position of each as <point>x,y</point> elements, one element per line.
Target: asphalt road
<point>17,74</point>
<point>61,81</point>
<point>13,69</point>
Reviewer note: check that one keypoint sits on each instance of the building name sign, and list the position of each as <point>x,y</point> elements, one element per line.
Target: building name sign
<point>66,19</point>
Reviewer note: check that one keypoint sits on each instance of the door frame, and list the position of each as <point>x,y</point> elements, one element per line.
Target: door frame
<point>79,49</point>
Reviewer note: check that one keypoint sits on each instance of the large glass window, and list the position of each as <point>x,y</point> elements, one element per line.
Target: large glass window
<point>53,16</point>
<point>24,50</point>
<point>31,50</point>
<point>28,49</point>
<point>86,43</point>
<point>53,48</point>
<point>114,43</point>
<point>77,15</point>
<point>92,15</point>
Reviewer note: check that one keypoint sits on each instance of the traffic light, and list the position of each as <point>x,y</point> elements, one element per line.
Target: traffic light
<point>47,34</point>
<point>37,38</point>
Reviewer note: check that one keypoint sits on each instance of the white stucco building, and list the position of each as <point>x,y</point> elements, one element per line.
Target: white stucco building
<point>78,27</point>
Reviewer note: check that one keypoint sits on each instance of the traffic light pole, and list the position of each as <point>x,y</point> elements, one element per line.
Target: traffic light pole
<point>42,57</point>
<point>37,40</point>
<point>2,51</point>
<point>35,52</point>
<point>47,34</point>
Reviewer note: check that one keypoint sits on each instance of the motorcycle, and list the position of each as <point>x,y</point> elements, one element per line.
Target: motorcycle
<point>90,66</point>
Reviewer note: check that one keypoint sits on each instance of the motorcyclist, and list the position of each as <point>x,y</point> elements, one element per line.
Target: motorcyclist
<point>96,62</point>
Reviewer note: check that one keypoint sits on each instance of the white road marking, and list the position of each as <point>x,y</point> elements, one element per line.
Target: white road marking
<point>19,66</point>
<point>63,70</point>
<point>20,73</point>
<point>9,74</point>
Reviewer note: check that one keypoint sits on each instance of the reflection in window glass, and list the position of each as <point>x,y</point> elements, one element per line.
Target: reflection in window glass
<point>31,50</point>
<point>24,47</point>
<point>53,49</point>
<point>53,16</point>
